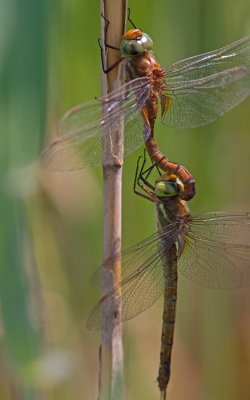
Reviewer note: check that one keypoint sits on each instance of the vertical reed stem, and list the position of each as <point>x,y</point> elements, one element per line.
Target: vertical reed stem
<point>111,355</point>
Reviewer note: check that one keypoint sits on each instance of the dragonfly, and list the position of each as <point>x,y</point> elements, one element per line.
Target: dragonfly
<point>191,92</point>
<point>211,249</point>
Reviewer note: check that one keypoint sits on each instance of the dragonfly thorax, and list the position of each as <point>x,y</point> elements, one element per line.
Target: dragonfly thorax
<point>172,209</point>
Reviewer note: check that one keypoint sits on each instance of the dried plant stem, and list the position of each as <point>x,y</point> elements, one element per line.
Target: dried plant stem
<point>111,355</point>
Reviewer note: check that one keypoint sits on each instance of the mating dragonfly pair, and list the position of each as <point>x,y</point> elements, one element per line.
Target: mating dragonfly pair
<point>192,92</point>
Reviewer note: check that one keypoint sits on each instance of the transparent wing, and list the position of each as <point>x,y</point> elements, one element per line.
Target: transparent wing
<point>216,254</point>
<point>217,250</point>
<point>84,127</point>
<point>142,280</point>
<point>200,89</point>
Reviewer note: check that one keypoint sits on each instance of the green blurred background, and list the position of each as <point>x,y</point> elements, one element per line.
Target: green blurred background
<point>51,223</point>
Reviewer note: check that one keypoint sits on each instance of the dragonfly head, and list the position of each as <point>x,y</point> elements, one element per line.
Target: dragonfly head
<point>135,42</point>
<point>168,185</point>
<point>170,206</point>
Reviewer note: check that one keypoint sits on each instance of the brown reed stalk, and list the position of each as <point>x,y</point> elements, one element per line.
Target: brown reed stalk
<point>111,352</point>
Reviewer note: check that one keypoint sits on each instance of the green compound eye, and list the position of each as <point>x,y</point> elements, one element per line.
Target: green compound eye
<point>147,41</point>
<point>135,47</point>
<point>165,188</point>
<point>131,48</point>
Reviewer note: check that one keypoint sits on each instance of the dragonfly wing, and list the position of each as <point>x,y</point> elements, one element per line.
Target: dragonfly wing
<point>84,127</point>
<point>233,55</point>
<point>200,89</point>
<point>217,250</point>
<point>132,257</point>
<point>142,279</point>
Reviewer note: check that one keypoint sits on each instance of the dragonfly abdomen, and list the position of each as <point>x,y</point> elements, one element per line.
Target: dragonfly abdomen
<point>169,311</point>
<point>152,110</point>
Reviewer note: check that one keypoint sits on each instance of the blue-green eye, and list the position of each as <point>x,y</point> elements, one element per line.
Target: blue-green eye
<point>131,46</point>
<point>146,41</point>
<point>166,188</point>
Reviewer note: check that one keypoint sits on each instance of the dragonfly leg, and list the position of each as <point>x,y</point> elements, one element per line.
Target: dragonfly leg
<point>130,19</point>
<point>153,192</point>
<point>139,177</point>
<point>144,174</point>
<point>106,70</point>
<point>105,35</point>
